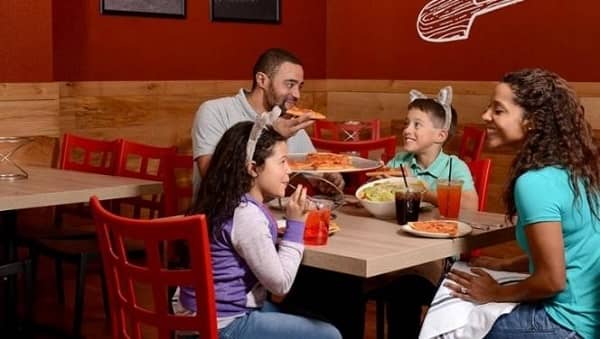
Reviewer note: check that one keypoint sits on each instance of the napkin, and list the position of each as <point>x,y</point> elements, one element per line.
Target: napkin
<point>454,318</point>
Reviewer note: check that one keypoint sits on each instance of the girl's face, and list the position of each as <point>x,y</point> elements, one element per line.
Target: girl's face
<point>419,133</point>
<point>272,178</point>
<point>504,118</point>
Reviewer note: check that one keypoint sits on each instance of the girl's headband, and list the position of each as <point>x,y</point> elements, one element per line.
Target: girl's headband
<point>262,121</point>
<point>444,98</point>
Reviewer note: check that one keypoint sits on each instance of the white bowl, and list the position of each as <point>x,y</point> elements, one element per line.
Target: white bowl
<point>385,209</point>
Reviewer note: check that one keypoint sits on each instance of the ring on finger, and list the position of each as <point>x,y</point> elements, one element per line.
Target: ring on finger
<point>464,290</point>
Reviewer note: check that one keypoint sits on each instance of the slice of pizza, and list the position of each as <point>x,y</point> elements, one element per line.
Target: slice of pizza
<point>436,226</point>
<point>329,161</point>
<point>298,112</point>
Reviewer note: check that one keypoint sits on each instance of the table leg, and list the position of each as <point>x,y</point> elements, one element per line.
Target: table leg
<point>8,227</point>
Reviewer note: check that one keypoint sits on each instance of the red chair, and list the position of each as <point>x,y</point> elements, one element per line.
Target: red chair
<point>363,148</point>
<point>151,163</point>
<point>346,130</point>
<point>471,143</point>
<point>129,314</point>
<point>63,242</point>
<point>480,171</point>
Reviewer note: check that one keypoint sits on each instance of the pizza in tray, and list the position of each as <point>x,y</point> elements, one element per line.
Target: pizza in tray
<point>436,226</point>
<point>322,161</point>
<point>298,112</point>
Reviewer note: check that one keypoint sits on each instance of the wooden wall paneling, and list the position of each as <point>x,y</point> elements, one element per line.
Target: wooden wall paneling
<point>29,109</point>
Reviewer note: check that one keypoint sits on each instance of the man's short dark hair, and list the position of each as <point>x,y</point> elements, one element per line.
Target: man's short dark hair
<point>270,60</point>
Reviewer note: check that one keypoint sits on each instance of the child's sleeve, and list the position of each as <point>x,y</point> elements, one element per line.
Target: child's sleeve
<point>252,240</point>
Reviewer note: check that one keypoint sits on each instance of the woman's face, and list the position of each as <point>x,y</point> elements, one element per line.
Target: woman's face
<point>504,118</point>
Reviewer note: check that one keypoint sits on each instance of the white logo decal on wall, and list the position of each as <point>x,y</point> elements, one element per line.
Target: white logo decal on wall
<point>451,20</point>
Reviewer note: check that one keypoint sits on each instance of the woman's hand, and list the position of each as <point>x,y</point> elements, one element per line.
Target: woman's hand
<point>296,207</point>
<point>498,264</point>
<point>479,287</point>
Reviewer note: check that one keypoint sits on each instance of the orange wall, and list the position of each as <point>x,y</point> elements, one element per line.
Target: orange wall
<point>25,40</point>
<point>90,46</point>
<point>378,40</point>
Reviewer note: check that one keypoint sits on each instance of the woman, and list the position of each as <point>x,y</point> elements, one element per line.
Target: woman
<point>553,188</point>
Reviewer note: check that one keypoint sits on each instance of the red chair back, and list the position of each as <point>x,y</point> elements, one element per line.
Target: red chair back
<point>150,163</point>
<point>480,171</point>
<point>471,143</point>
<point>128,314</point>
<point>346,130</point>
<point>88,155</point>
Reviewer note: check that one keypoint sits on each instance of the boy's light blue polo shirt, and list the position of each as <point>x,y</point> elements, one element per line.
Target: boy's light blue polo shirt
<point>437,170</point>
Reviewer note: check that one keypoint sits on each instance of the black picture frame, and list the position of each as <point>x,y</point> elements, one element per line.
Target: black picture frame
<point>267,11</point>
<point>152,8</point>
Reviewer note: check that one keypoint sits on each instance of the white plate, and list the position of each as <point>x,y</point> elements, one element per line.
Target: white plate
<point>360,164</point>
<point>463,229</point>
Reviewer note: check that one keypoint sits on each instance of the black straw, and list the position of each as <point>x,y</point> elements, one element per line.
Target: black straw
<point>403,176</point>
<point>450,171</point>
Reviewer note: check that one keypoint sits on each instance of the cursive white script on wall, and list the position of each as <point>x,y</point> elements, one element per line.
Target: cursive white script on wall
<point>451,20</point>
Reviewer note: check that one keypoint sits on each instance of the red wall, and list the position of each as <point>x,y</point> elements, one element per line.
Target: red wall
<point>25,40</point>
<point>379,40</point>
<point>90,46</point>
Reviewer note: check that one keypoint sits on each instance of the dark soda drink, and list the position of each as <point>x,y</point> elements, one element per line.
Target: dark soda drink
<point>407,206</point>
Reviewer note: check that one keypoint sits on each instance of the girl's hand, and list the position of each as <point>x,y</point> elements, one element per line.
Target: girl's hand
<point>479,287</point>
<point>498,264</point>
<point>296,207</point>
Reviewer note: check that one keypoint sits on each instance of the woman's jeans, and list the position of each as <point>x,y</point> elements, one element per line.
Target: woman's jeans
<point>529,321</point>
<point>269,322</point>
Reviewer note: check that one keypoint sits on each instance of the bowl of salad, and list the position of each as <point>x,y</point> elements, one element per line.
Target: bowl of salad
<point>378,196</point>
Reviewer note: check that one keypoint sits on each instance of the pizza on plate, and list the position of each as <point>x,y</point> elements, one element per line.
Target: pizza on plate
<point>322,161</point>
<point>436,226</point>
<point>298,112</point>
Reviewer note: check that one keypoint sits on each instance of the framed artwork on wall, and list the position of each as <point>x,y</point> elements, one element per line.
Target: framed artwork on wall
<point>245,10</point>
<point>157,8</point>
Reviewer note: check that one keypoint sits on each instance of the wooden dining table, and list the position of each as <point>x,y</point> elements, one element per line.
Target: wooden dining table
<point>51,187</point>
<point>337,278</point>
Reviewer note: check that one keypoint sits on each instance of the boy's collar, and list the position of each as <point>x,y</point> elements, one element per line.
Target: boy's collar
<point>435,169</point>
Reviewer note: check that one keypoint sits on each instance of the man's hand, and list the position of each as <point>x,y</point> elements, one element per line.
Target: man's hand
<point>334,178</point>
<point>289,127</point>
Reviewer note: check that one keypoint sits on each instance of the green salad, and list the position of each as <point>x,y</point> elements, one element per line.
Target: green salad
<point>386,191</point>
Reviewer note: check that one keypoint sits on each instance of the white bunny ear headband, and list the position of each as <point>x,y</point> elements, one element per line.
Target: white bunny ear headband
<point>262,121</point>
<point>444,98</point>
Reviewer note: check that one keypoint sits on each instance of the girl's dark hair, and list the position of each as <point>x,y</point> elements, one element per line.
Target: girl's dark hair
<point>436,113</point>
<point>227,178</point>
<point>557,134</point>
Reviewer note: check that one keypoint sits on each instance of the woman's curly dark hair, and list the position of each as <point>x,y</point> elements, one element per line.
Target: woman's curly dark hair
<point>227,179</point>
<point>557,134</point>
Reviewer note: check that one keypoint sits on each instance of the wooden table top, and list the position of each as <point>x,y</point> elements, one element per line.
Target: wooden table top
<point>49,187</point>
<point>367,247</point>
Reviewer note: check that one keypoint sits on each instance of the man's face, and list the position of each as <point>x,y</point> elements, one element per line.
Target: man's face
<point>284,86</point>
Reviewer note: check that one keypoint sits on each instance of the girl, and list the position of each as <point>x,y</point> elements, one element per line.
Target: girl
<point>559,229</point>
<point>250,165</point>
<point>429,124</point>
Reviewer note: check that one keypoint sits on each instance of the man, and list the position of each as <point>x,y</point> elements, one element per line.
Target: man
<point>278,80</point>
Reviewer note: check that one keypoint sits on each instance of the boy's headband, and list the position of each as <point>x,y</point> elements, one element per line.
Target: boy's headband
<point>262,120</point>
<point>444,98</point>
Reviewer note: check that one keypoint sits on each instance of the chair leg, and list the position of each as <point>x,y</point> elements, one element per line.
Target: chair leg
<point>29,299</point>
<point>105,301</point>
<point>60,288</point>
<point>79,294</point>
<point>380,318</point>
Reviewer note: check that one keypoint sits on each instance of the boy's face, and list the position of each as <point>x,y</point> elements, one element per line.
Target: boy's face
<point>420,133</point>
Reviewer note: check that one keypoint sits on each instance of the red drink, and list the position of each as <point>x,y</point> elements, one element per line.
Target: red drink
<point>316,231</point>
<point>448,195</point>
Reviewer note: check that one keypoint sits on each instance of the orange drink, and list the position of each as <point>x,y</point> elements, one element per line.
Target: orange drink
<point>448,195</point>
<point>316,231</point>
